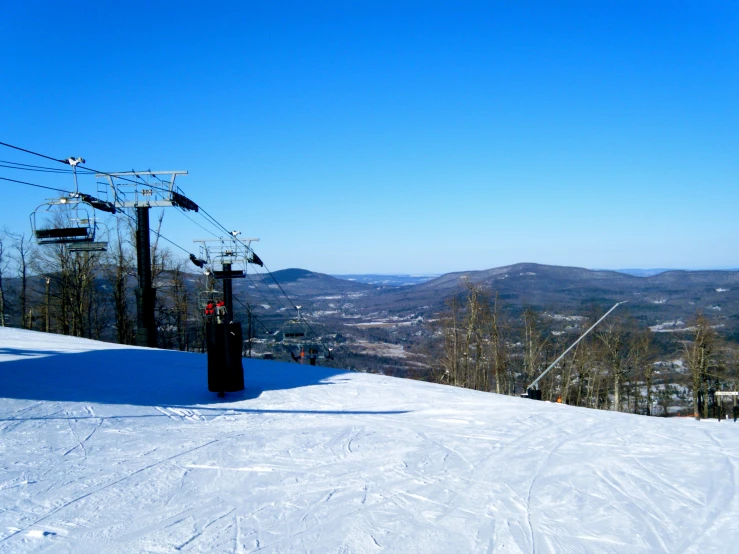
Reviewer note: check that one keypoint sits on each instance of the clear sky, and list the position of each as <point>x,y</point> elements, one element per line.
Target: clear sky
<point>398,137</point>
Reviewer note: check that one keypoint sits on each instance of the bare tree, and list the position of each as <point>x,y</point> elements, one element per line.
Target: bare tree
<point>534,343</point>
<point>699,357</point>
<point>451,328</point>
<point>499,348</point>
<point>23,248</point>
<point>640,359</point>
<point>472,347</point>
<point>77,306</point>
<point>119,271</point>
<point>614,341</point>
<point>174,305</point>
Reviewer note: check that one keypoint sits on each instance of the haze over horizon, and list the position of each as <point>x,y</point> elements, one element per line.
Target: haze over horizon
<point>396,139</point>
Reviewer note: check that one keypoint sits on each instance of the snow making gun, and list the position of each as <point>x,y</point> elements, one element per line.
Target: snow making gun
<point>532,391</point>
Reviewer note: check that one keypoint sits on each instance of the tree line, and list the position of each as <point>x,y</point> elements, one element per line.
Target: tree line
<point>484,345</point>
<point>92,294</point>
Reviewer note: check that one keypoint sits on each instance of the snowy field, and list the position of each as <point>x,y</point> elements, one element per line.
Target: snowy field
<point>108,449</point>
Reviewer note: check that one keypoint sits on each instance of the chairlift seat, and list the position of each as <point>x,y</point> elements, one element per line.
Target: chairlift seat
<point>232,274</point>
<point>75,233</point>
<point>88,247</point>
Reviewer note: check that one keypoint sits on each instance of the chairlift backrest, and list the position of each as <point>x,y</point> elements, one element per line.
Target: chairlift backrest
<point>294,331</point>
<point>63,221</point>
<point>207,296</point>
<point>228,266</point>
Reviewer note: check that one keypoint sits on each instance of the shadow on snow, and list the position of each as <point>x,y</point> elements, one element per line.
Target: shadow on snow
<point>145,377</point>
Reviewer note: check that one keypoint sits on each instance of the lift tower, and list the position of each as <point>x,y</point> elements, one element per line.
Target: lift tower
<point>143,190</point>
<point>227,259</point>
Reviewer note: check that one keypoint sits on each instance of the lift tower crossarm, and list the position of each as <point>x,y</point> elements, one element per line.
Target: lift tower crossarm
<point>555,362</point>
<point>162,195</point>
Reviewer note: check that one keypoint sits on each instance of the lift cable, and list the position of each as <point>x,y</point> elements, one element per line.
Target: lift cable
<point>277,298</point>
<point>28,167</point>
<point>161,236</point>
<point>31,152</point>
<point>250,249</point>
<point>248,309</point>
<point>214,221</point>
<point>79,166</point>
<point>35,185</point>
<point>184,213</point>
<point>256,288</point>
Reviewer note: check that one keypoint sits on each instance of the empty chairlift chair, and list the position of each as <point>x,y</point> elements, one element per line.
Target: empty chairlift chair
<point>294,332</point>
<point>66,220</point>
<point>228,266</point>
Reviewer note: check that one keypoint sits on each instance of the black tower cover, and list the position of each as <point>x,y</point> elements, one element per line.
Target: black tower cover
<point>225,371</point>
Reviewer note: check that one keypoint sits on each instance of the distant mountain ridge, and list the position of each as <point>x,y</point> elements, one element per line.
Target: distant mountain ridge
<point>304,282</point>
<point>388,280</point>
<point>672,295</point>
<point>643,272</point>
<point>654,299</point>
<point>657,271</point>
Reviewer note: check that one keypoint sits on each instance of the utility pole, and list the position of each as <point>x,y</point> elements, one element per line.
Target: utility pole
<point>48,297</point>
<point>228,296</point>
<point>134,189</point>
<point>250,330</point>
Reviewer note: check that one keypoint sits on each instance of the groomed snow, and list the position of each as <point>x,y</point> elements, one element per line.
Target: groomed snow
<point>106,448</point>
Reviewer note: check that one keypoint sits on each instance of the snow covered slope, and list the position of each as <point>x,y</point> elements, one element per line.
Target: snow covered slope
<point>106,448</point>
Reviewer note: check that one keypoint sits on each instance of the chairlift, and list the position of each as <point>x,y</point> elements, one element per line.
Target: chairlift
<point>64,220</point>
<point>310,352</point>
<point>294,332</point>
<point>208,296</point>
<point>227,266</point>
<point>94,246</point>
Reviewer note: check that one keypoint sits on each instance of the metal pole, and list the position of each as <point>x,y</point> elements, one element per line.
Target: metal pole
<point>146,332</point>
<point>48,303</point>
<point>250,331</point>
<point>533,385</point>
<point>228,294</point>
<point>74,170</point>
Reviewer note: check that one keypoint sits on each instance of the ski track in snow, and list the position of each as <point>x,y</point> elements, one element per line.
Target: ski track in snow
<point>342,462</point>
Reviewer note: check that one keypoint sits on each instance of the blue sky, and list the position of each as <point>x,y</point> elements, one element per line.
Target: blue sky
<point>404,137</point>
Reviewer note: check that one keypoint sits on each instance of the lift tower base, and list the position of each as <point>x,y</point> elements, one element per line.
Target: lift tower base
<point>225,370</point>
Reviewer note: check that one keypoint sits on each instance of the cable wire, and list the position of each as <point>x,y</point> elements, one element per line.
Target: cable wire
<point>205,213</point>
<point>158,234</point>
<point>79,166</point>
<point>35,185</point>
<point>28,167</point>
<point>248,310</point>
<point>31,152</point>
<point>184,213</point>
